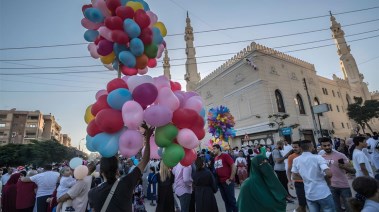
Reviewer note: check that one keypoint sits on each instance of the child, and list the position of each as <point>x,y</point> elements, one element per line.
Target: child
<point>152,188</point>
<point>138,202</point>
<point>66,182</point>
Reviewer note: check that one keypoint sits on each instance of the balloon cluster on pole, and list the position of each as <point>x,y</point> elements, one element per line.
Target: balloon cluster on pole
<point>220,125</point>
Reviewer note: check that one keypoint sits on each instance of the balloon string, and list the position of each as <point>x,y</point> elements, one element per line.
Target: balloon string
<point>119,70</point>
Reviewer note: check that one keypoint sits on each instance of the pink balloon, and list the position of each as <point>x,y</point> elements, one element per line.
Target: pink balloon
<point>153,149</point>
<point>102,6</point>
<point>157,115</point>
<point>90,25</point>
<point>180,96</point>
<point>92,48</point>
<point>132,115</point>
<point>153,18</point>
<point>189,94</point>
<point>152,63</point>
<point>131,141</point>
<point>134,81</point>
<point>168,99</point>
<point>100,93</point>
<point>160,51</point>
<point>187,139</point>
<point>195,103</point>
<point>145,94</point>
<point>161,82</point>
<point>105,33</point>
<point>125,78</point>
<point>143,71</point>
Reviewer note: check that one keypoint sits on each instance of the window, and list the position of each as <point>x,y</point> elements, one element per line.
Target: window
<point>2,124</point>
<point>300,104</point>
<point>338,94</point>
<point>334,95</point>
<point>3,116</point>
<point>348,99</point>
<point>338,108</point>
<point>279,101</point>
<point>32,125</point>
<point>343,126</point>
<point>324,91</point>
<point>33,117</point>
<point>347,124</point>
<point>333,125</point>
<point>330,107</point>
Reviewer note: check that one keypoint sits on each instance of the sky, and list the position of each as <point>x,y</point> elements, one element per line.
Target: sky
<point>66,95</point>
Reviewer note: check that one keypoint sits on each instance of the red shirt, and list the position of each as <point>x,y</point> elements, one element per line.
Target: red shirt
<point>25,195</point>
<point>223,166</point>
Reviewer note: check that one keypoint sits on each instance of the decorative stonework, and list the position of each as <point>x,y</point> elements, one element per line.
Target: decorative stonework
<point>293,76</point>
<point>208,95</point>
<point>273,70</point>
<point>311,81</point>
<point>238,78</point>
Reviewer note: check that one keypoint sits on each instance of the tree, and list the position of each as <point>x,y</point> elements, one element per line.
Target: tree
<point>362,113</point>
<point>278,121</point>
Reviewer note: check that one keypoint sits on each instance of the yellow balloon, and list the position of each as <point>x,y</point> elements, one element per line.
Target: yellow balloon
<point>88,117</point>
<point>108,59</point>
<point>161,28</point>
<point>135,5</point>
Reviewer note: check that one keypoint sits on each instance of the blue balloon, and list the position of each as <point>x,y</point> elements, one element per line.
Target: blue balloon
<point>107,144</point>
<point>118,97</point>
<point>89,143</point>
<point>127,58</point>
<point>91,35</point>
<point>157,37</point>
<point>136,47</point>
<point>123,2</point>
<point>115,65</point>
<point>94,15</point>
<point>131,28</point>
<point>117,48</point>
<point>202,112</point>
<point>145,5</point>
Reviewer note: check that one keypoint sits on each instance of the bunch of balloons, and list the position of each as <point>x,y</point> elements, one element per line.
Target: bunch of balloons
<point>224,145</point>
<point>221,123</point>
<point>124,34</point>
<point>115,119</point>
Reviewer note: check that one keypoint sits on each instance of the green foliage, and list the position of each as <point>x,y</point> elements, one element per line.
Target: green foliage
<point>37,152</point>
<point>277,120</point>
<point>362,113</point>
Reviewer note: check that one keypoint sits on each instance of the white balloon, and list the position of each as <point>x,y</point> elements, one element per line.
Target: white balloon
<point>134,81</point>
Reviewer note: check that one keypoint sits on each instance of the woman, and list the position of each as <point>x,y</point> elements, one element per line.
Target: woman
<point>367,197</point>
<point>262,191</point>
<point>241,165</point>
<point>8,199</point>
<point>205,187</point>
<point>26,194</point>
<point>165,201</point>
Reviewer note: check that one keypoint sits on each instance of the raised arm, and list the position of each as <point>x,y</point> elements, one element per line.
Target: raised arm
<point>146,155</point>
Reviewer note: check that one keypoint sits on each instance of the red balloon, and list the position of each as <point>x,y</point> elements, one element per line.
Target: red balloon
<point>84,7</point>
<point>114,22</point>
<point>119,36</point>
<point>189,157</point>
<point>152,63</point>
<point>129,71</point>
<point>141,18</point>
<point>93,129</point>
<point>112,5</point>
<point>109,120</point>
<point>115,84</point>
<point>100,104</point>
<point>175,86</point>
<point>145,94</point>
<point>184,118</point>
<point>199,132</point>
<point>125,12</point>
<point>146,36</point>
<point>98,39</point>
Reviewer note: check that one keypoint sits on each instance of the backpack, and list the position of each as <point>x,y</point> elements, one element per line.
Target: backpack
<point>271,160</point>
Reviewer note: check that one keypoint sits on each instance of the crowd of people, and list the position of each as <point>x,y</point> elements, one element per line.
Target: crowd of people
<point>319,176</point>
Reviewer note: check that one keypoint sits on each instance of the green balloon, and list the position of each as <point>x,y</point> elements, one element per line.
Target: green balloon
<point>172,155</point>
<point>164,135</point>
<point>151,51</point>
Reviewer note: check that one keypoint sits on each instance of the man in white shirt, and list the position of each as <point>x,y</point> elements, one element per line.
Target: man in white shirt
<point>6,176</point>
<point>313,169</point>
<point>360,161</point>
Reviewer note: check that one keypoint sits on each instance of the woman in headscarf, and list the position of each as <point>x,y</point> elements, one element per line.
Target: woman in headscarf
<point>26,193</point>
<point>8,199</point>
<point>262,191</point>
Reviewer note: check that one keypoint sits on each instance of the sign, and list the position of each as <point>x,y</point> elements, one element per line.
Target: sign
<point>320,108</point>
<point>286,131</point>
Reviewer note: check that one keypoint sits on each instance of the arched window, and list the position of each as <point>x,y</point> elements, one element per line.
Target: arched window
<point>279,101</point>
<point>316,101</point>
<point>300,104</point>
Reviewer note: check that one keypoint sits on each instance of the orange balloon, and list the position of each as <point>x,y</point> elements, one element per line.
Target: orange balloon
<point>142,61</point>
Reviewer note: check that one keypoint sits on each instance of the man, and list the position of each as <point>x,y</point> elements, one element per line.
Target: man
<point>313,169</point>
<point>280,168</point>
<point>298,184</point>
<point>183,185</point>
<point>46,183</point>
<point>360,161</point>
<point>373,150</point>
<point>339,164</point>
<point>6,176</point>
<point>225,170</point>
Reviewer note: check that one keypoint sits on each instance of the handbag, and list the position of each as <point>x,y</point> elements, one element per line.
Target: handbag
<point>109,197</point>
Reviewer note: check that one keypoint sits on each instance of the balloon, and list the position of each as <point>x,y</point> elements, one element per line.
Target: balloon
<point>153,149</point>
<point>101,5</point>
<point>112,5</point>
<point>108,59</point>
<point>84,7</point>
<point>153,18</point>
<point>152,63</point>
<point>131,141</point>
<point>172,155</point>
<point>94,15</point>
<point>129,71</point>
<point>132,115</point>
<point>179,94</point>
<point>167,98</point>
<point>105,33</point>
<point>88,115</point>
<point>106,144</point>
<point>175,86</point>
<point>164,135</point>
<point>92,48</point>
<point>114,22</point>
<point>187,139</point>
<point>136,47</point>
<point>194,103</point>
<point>146,36</point>
<point>100,104</point>
<point>127,58</point>
<point>141,61</point>
<point>91,35</point>
<point>125,12</point>
<point>80,172</point>
<point>160,151</point>
<point>157,37</point>
<point>160,50</point>
<point>117,48</point>
<point>100,93</point>
<point>89,143</point>
<point>162,28</point>
<point>145,94</point>
<point>151,51</point>
<point>119,36</point>
<point>93,129</point>
<point>135,5</point>
<point>161,82</point>
<point>109,120</point>
<point>142,19</point>
<point>115,84</point>
<point>118,97</point>
<point>189,157</point>
<point>75,162</point>
<point>135,81</point>
<point>145,5</point>
<point>90,25</point>
<point>142,71</point>
<point>131,28</point>
<point>104,47</point>
<point>184,118</point>
<point>157,115</point>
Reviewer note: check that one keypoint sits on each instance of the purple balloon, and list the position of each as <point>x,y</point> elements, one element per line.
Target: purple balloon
<point>145,94</point>
<point>157,115</point>
<point>104,47</point>
<point>189,94</point>
<point>180,96</point>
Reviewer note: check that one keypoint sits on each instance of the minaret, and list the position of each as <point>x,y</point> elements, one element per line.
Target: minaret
<point>192,77</point>
<point>347,62</point>
<point>166,65</point>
